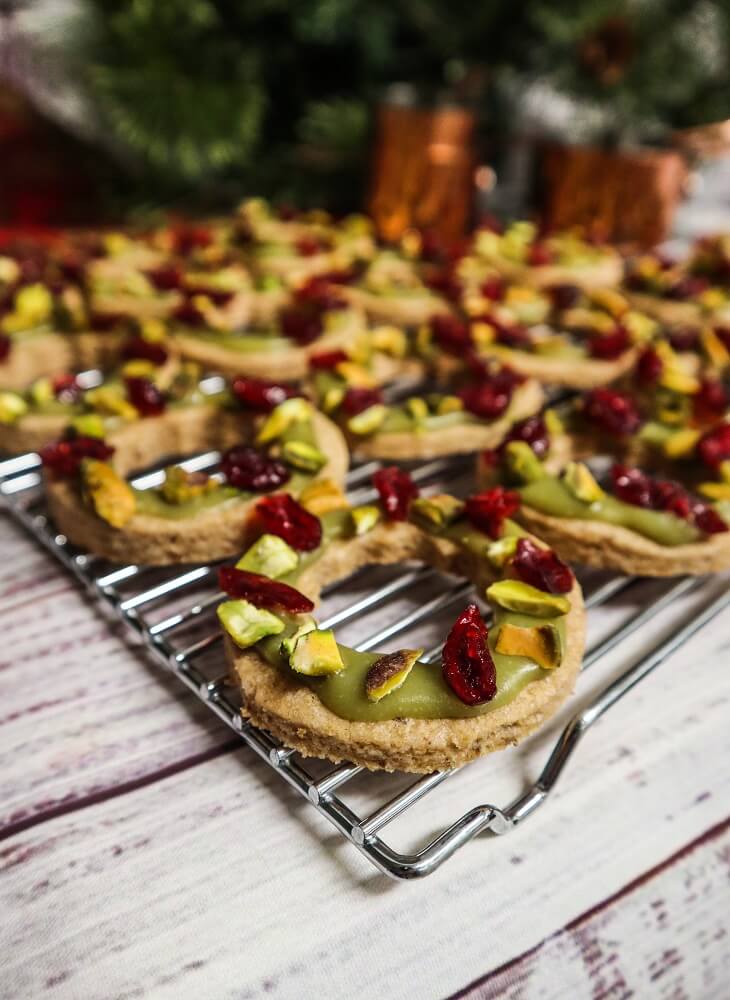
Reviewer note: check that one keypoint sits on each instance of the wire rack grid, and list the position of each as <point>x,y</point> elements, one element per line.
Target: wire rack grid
<point>161,607</point>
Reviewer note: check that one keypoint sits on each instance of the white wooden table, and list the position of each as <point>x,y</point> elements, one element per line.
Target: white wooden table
<point>146,854</point>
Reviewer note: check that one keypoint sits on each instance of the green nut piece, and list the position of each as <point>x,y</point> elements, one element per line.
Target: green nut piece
<point>110,401</point>
<point>579,480</point>
<point>389,672</point>
<point>436,511</point>
<point>553,424</point>
<point>34,303</point>
<point>246,624</point>
<point>369,420</point>
<point>41,391</point>
<point>303,456</point>
<point>417,408</point>
<point>89,424</point>
<point>111,496</point>
<point>12,407</point>
<point>289,642</point>
<point>522,462</point>
<point>513,595</point>
<point>725,471</point>
<point>333,397</point>
<point>291,411</point>
<point>500,552</point>
<point>541,644</point>
<point>181,486</point>
<point>316,654</point>
<point>390,340</point>
<point>270,556</point>
<point>449,404</point>
<point>365,518</point>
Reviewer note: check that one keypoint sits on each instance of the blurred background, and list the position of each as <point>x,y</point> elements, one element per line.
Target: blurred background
<point>609,114</point>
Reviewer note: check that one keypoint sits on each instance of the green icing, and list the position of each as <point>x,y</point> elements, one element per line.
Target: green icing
<point>244,343</point>
<point>153,503</point>
<point>551,496</point>
<point>399,419</point>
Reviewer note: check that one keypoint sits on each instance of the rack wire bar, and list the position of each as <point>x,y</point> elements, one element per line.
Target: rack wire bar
<point>124,595</point>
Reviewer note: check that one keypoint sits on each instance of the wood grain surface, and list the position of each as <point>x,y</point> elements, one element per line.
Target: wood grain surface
<point>145,854</point>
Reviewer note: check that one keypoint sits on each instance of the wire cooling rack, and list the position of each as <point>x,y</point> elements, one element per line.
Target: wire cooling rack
<point>172,611</point>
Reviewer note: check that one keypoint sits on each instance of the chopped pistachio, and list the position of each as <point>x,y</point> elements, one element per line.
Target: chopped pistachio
<point>681,443</point>
<point>12,407</point>
<point>501,551</point>
<point>365,518</point>
<point>181,486</point>
<point>270,556</point>
<point>714,348</point>
<point>41,391</point>
<point>110,401</point>
<point>389,672</point>
<point>580,481</point>
<point>355,375</point>
<point>417,408</point>
<point>725,471</point>
<point>553,422</point>
<point>369,420</point>
<point>424,341</point>
<point>316,654</point>
<point>522,462</point>
<point>303,456</point>
<point>715,491</point>
<point>139,368</point>
<point>282,417</point>
<point>436,511</point>
<point>513,595</point>
<point>246,624</point>
<point>390,340</point>
<point>153,330</point>
<point>34,303</point>
<point>449,404</point>
<point>89,424</point>
<point>289,642</point>
<point>332,398</point>
<point>111,496</point>
<point>541,644</point>
<point>678,381</point>
<point>323,496</point>
<point>483,334</point>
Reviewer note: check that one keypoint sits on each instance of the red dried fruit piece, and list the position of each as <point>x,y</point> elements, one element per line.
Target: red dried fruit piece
<point>490,398</point>
<point>396,490</point>
<point>687,288</point>
<point>684,339</point>
<point>189,315</point>
<point>671,497</point>
<point>714,446</point>
<point>262,591</point>
<point>145,396</point>
<point>533,431</point>
<point>301,323</point>
<point>467,664</point>
<point>451,334</point>
<point>66,388</point>
<point>488,511</point>
<point>541,568</point>
<point>138,348</point>
<point>165,278</point>
<point>564,296</point>
<point>280,514</point>
<point>445,282</point>
<point>432,245</point>
<point>493,289</point>
<point>631,485</point>
<point>63,458</point>
<point>5,345</point>
<point>608,346</point>
<point>611,411</point>
<point>318,291</point>
<point>185,239</point>
<point>103,321</point>
<point>217,296</point>
<point>711,400</point>
<point>327,360</point>
<point>539,255</point>
<point>308,246</point>
<point>357,400</point>
<point>510,334</point>
<point>723,332</point>
<point>708,520</point>
<point>649,366</point>
<point>247,468</point>
<point>259,394</point>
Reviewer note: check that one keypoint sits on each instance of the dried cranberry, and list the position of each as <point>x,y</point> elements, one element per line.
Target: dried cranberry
<point>608,346</point>
<point>511,334</point>
<point>687,288</point>
<point>260,395</point>
<point>186,238</point>
<point>708,520</point>
<point>189,315</point>
<point>357,400</point>
<point>684,338</point>
<point>564,296</point>
<point>632,486</point>
<point>488,511</point>
<point>165,278</point>
<point>397,490</point>
<point>490,397</point>
<point>539,255</point>
<point>5,345</point>
<point>66,388</point>
<point>493,289</point>
<point>308,246</point>
<point>145,350</point>
<point>714,446</point>
<point>723,332</point>
<point>63,458</point>
<point>533,431</point>
<point>445,282</point>
<point>280,514</point>
<point>467,664</point>
<point>246,468</point>
<point>262,591</point>
<point>649,366</point>
<point>611,411</point>
<point>711,400</point>
<point>318,292</point>
<point>327,360</point>
<point>670,496</point>
<point>432,246</point>
<point>145,396</point>
<point>451,334</point>
<point>301,324</point>
<point>541,568</point>
<point>103,321</point>
<point>218,296</point>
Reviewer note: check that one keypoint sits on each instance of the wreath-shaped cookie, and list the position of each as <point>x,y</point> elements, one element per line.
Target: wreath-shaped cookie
<point>394,710</point>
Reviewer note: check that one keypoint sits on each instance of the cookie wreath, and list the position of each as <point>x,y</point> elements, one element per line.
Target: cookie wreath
<point>640,519</point>
<point>190,517</point>
<point>394,711</point>
<point>676,292</point>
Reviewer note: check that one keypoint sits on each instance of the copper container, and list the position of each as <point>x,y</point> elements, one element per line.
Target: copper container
<point>422,170</point>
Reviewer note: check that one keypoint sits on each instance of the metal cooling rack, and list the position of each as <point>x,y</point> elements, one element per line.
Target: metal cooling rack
<point>132,593</point>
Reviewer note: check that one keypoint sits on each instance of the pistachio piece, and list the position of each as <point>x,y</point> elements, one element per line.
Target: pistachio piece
<point>553,422</point>
<point>417,408</point>
<point>483,334</point>
<point>580,481</point>
<point>89,424</point>
<point>681,443</point>
<point>269,556</point>
<point>332,397</point>
<point>139,368</point>
<point>436,511</point>
<point>289,642</point>
<point>323,496</point>
<point>541,644</point>
<point>715,491</point>
<point>609,299</point>
<point>282,417</point>
<point>246,624</point>
<point>725,471</point>
<point>390,340</point>
<point>513,595</point>
<point>356,376</point>
<point>365,518</point>
<point>153,330</point>
<point>424,341</point>
<point>717,353</point>
<point>449,404</point>
<point>110,401</point>
<point>41,392</point>
<point>316,654</point>
<point>34,303</point>
<point>389,672</point>
<point>111,496</point>
<point>303,456</point>
<point>12,407</point>
<point>369,420</point>
<point>640,327</point>
<point>500,552</point>
<point>678,381</point>
<point>522,462</point>
<point>181,486</point>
